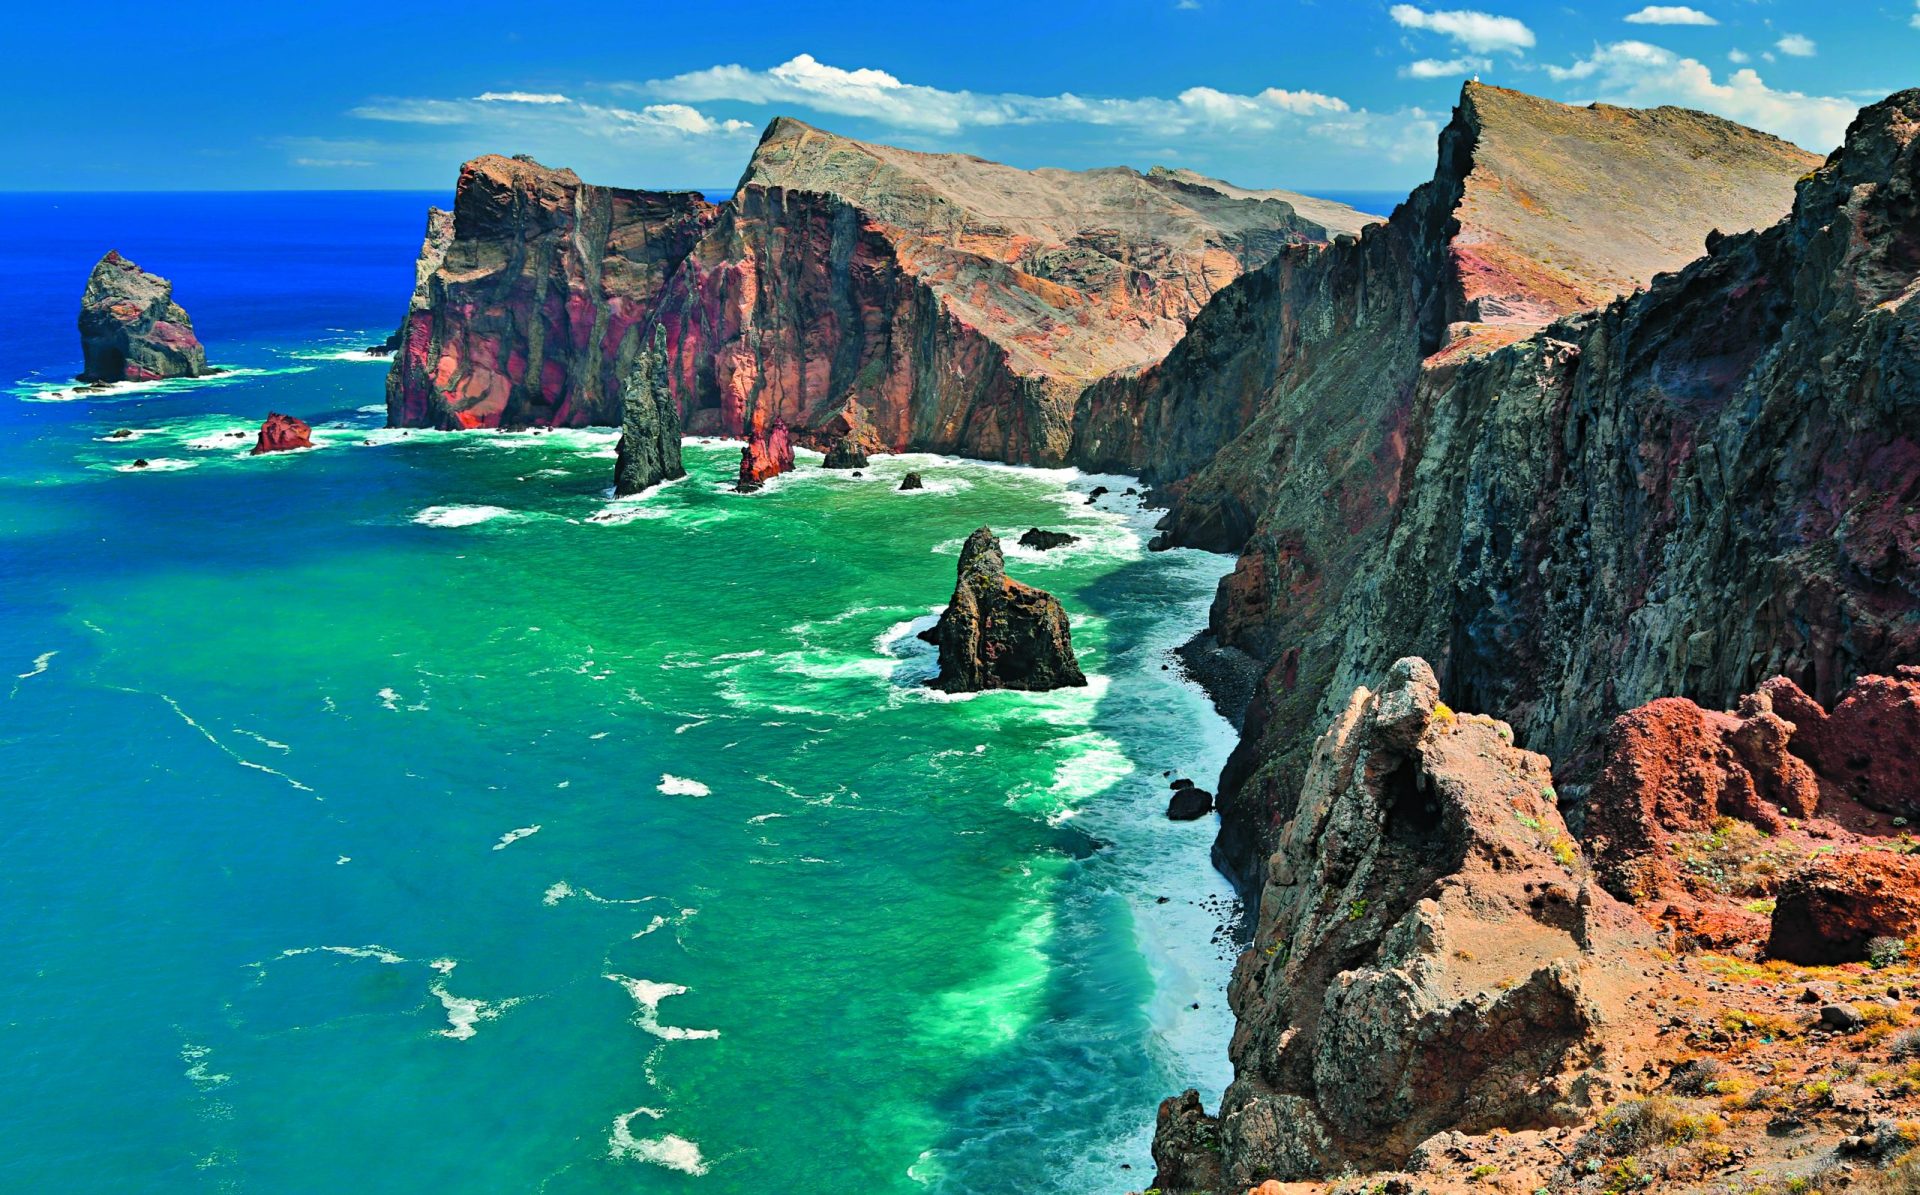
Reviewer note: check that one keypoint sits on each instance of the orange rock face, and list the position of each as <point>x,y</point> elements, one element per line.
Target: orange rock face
<point>1830,911</point>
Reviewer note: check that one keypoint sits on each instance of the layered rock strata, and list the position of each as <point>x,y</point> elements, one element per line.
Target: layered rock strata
<point>930,300</point>
<point>532,302</point>
<point>131,330</point>
<point>997,633</point>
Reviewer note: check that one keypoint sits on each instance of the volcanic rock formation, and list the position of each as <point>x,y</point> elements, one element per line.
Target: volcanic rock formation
<point>131,330</point>
<point>649,449</point>
<point>531,302</point>
<point>845,454</point>
<point>943,301</point>
<point>999,634</point>
<point>767,454</point>
<point>1554,519</point>
<point>1430,955</point>
<point>282,433</point>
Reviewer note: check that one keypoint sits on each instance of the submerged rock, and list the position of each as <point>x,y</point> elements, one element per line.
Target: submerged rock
<point>131,329</point>
<point>1430,955</point>
<point>912,482</point>
<point>998,633</point>
<point>768,454</point>
<point>649,450</point>
<point>1045,541</point>
<point>282,433</point>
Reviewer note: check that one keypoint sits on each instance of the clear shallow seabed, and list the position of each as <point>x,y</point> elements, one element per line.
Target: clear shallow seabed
<point>407,814</point>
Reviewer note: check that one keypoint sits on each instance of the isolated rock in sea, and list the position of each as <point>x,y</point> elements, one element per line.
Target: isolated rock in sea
<point>131,330</point>
<point>1189,804</point>
<point>1685,490</point>
<point>282,433</point>
<point>768,453</point>
<point>531,298</point>
<point>912,482</point>
<point>1044,540</point>
<point>1829,910</point>
<point>845,454</point>
<point>649,449</point>
<point>998,633</point>
<point>1430,955</point>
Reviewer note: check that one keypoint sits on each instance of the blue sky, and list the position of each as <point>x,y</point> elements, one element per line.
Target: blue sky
<point>1311,94</point>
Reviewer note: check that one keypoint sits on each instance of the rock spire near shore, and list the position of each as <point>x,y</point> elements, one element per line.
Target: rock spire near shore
<point>649,450</point>
<point>998,633</point>
<point>131,330</point>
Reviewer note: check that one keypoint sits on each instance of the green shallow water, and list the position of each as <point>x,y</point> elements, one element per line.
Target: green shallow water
<point>406,814</point>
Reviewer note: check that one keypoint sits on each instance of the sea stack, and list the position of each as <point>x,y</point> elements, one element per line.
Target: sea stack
<point>131,330</point>
<point>281,433</point>
<point>845,453</point>
<point>768,454</point>
<point>999,634</point>
<point>649,450</point>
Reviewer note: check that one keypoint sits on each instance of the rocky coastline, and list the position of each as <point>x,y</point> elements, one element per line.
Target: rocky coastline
<point>1608,432</point>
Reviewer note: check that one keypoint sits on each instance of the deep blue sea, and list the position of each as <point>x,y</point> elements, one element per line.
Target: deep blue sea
<point>407,814</point>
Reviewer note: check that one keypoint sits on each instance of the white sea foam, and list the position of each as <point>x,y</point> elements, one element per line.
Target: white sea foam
<point>464,1013</point>
<point>354,354</point>
<point>68,391</point>
<point>648,994</point>
<point>238,758</point>
<point>673,1152</point>
<point>557,892</point>
<point>513,836</point>
<point>375,408</point>
<point>40,663</point>
<point>223,441</point>
<point>158,464</point>
<point>460,516</point>
<point>680,786</point>
<point>198,1070</point>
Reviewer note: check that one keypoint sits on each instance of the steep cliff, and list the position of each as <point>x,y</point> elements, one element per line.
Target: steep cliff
<point>131,330</point>
<point>942,301</point>
<point>531,309</point>
<point>1430,956</point>
<point>1370,401</point>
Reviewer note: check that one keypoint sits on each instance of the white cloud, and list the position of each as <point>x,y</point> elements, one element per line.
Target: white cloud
<point>520,97</point>
<point>1797,45</point>
<point>1450,68</point>
<point>1669,14</point>
<point>517,109</point>
<point>1483,33</point>
<point>805,81</point>
<point>1641,75</point>
<point>1915,22</point>
<point>1739,57</point>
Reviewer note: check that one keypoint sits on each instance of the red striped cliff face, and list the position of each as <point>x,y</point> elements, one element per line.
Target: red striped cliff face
<point>531,298</point>
<point>933,301</point>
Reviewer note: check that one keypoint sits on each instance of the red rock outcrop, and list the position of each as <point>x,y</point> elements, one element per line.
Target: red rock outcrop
<point>131,330</point>
<point>1431,955</point>
<point>997,633</point>
<point>767,454</point>
<point>1869,746</point>
<point>533,300</point>
<point>1828,911</point>
<point>1671,768</point>
<point>282,433</point>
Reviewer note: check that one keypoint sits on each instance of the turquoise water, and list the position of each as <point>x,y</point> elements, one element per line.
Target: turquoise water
<point>408,814</point>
